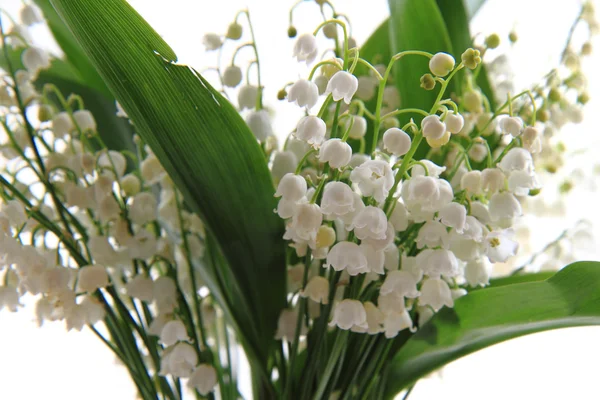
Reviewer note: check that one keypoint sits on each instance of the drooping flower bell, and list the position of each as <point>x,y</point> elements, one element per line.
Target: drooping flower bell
<point>306,48</point>
<point>337,200</point>
<point>260,124</point>
<point>454,122</point>
<point>348,314</point>
<point>374,178</point>
<point>203,379</point>
<point>347,256</point>
<point>311,129</point>
<point>433,127</point>
<point>396,141</point>
<point>292,187</point>
<point>336,153</point>
<point>342,85</point>
<point>436,294</point>
<point>441,64</point>
<point>304,93</point>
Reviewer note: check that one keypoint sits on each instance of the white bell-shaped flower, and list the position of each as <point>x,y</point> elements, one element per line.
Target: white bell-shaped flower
<point>532,139</point>
<point>326,237</point>
<point>113,161</point>
<point>370,223</point>
<point>481,212</point>
<point>436,294</point>
<point>454,122</point>
<point>478,272</point>
<point>348,314</point>
<point>433,127</point>
<point>131,185</point>
<point>401,282</point>
<point>438,262</point>
<point>173,332</point>
<point>286,325</point>
<point>380,244</point>
<point>311,129</point>
<point>474,230</point>
<point>426,194</point>
<point>291,187</point>
<point>338,200</point>
<point>247,96</point>
<point>92,277</point>
<point>336,153</point>
<point>212,41</point>
<point>31,15</point>
<point>179,361</point>
<point>306,48</point>
<point>260,124</point>
<point>203,379</point>
<point>232,76</point>
<point>395,322</point>
<point>390,302</point>
<point>357,126</point>
<point>441,64</point>
<point>512,126</point>
<point>504,205</point>
<point>342,85</point>
<point>165,294</point>
<point>492,180</point>
<point>453,215</point>
<point>304,93</point>
<point>305,224</point>
<point>374,320</point>
<point>85,120</point>
<point>358,206</point>
<point>140,287</point>
<point>317,289</point>
<point>321,82</point>
<point>521,182</point>
<point>143,209</point>
<point>432,234</point>
<point>396,141</point>
<point>391,256</point>
<point>399,217</point>
<point>62,124</point>
<point>35,59</point>
<point>471,182</point>
<point>485,124</point>
<point>284,162</point>
<point>347,256</point>
<point>374,178</point>
<point>478,152</point>
<point>375,258</point>
<point>517,159</point>
<point>500,246</point>
<point>464,249</point>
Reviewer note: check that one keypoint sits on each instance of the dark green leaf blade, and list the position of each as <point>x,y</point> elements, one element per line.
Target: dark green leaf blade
<point>205,147</point>
<point>489,316</point>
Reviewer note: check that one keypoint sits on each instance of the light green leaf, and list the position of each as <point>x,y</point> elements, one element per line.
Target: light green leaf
<point>489,316</point>
<point>208,151</point>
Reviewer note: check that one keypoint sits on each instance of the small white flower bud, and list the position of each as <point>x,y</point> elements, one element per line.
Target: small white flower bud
<point>358,127</point>
<point>454,122</point>
<point>374,178</point>
<point>92,277</point>
<point>260,124</point>
<point>284,162</point>
<point>234,31</point>
<point>247,97</point>
<point>347,256</point>
<point>85,120</point>
<point>35,59</point>
<point>304,93</point>
<point>342,85</point>
<point>317,289</point>
<point>173,332</point>
<point>306,48</point>
<point>478,152</point>
<point>348,314</point>
<point>511,125</point>
<point>336,153</point>
<point>31,15</point>
<point>62,124</point>
<point>140,287</point>
<point>471,181</point>
<point>396,141</point>
<point>484,125</point>
<point>472,101</point>
<point>478,272</point>
<point>131,185</point>
<point>504,206</point>
<point>291,187</point>
<point>232,76</point>
<point>432,127</point>
<point>143,209</point>
<point>441,64</point>
<point>203,379</point>
<point>325,237</point>
<point>311,129</point>
<point>212,41</point>
<point>436,293</point>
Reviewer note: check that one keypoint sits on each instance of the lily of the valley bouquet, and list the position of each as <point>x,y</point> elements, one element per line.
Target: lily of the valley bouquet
<point>347,261</point>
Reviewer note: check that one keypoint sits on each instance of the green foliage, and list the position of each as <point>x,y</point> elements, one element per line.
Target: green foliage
<point>493,315</point>
<point>208,151</point>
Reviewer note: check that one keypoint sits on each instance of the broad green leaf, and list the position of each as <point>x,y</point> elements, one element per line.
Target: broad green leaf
<point>456,19</point>
<point>489,316</point>
<point>409,20</point>
<point>521,278</point>
<point>206,148</point>
<point>376,49</point>
<point>84,71</point>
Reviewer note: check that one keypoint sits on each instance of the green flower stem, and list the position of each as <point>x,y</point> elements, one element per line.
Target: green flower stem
<point>260,87</point>
<point>319,65</point>
<point>368,65</point>
<point>404,111</point>
<point>381,89</point>
<point>238,49</point>
<point>303,160</point>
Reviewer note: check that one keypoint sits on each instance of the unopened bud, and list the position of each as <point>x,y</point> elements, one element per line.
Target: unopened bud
<point>234,31</point>
<point>45,113</point>
<point>586,49</point>
<point>428,82</point>
<point>542,115</point>
<point>583,98</point>
<point>281,95</point>
<point>292,32</point>
<point>471,58</point>
<point>492,41</point>
<point>554,95</point>
<point>513,37</point>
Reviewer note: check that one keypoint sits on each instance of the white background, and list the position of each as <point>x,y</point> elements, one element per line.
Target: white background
<point>48,363</point>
